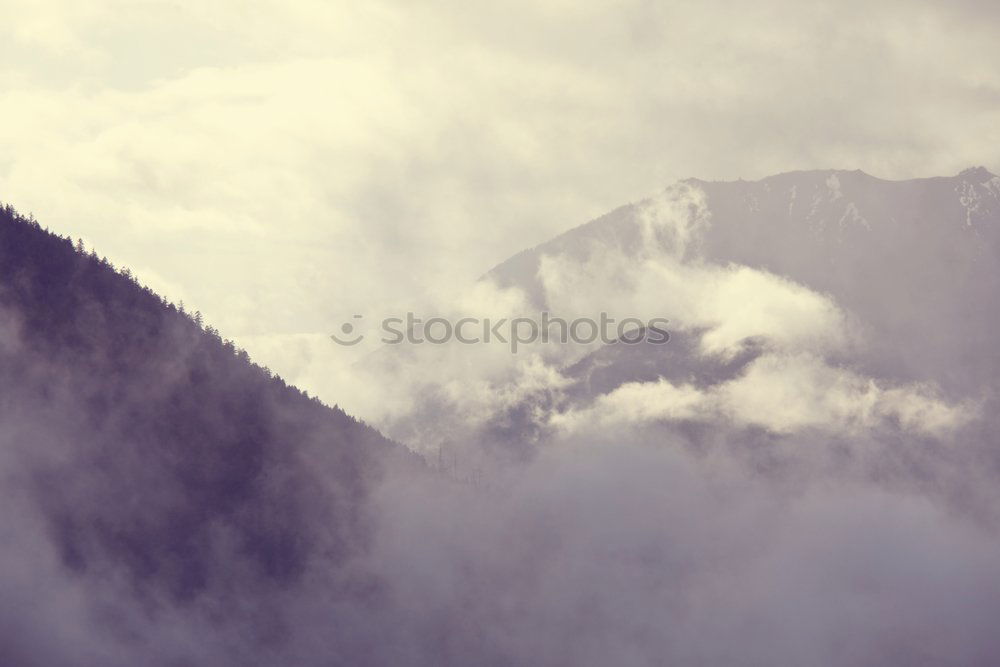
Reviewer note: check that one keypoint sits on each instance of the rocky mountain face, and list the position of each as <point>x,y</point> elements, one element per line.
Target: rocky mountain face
<point>916,264</point>
<point>909,269</point>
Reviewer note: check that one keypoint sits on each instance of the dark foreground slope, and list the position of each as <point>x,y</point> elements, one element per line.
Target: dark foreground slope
<point>142,453</point>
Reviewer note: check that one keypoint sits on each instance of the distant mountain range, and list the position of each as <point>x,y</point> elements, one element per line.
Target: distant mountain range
<point>918,261</point>
<point>913,265</point>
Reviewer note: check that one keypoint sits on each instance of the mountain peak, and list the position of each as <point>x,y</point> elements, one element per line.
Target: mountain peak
<point>821,174</point>
<point>978,174</point>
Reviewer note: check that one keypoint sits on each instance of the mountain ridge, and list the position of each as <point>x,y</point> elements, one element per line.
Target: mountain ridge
<point>619,216</point>
<point>155,449</point>
<point>834,232</point>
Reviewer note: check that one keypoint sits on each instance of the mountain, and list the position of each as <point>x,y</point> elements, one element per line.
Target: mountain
<point>862,309</point>
<point>139,448</point>
<point>803,461</point>
<point>916,262</point>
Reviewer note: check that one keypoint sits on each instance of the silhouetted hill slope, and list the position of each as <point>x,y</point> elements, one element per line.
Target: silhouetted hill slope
<point>153,447</point>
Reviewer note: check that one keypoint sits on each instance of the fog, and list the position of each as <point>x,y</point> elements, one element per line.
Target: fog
<point>805,474</point>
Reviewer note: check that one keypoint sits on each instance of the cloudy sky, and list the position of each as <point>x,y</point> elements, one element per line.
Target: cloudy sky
<point>282,165</point>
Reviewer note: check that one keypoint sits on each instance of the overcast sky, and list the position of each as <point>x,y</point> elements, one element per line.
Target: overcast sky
<point>281,164</point>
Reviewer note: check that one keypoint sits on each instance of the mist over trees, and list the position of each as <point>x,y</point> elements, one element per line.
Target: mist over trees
<point>784,499</point>
<point>152,453</point>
